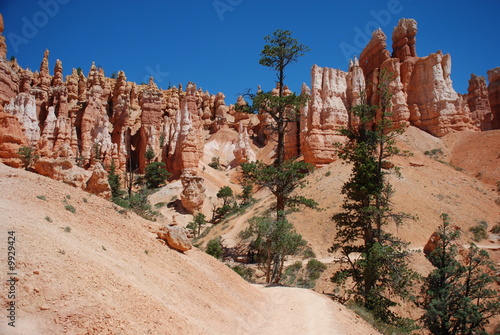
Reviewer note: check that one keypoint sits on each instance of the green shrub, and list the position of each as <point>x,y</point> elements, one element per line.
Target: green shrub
<point>48,219</point>
<point>214,247</point>
<point>41,197</point>
<point>479,231</point>
<point>156,175</point>
<point>67,229</point>
<point>28,156</point>
<point>245,272</point>
<point>315,268</point>
<point>434,152</point>
<point>70,208</point>
<point>496,228</point>
<point>308,253</point>
<point>215,163</point>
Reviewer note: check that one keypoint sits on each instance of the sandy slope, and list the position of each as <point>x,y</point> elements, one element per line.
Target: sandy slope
<point>110,275</point>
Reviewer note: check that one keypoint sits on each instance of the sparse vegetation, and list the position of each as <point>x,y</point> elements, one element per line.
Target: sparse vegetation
<point>42,197</point>
<point>244,271</point>
<point>70,208</point>
<point>215,163</point>
<point>156,175</point>
<point>48,219</point>
<point>496,228</point>
<point>300,276</point>
<point>479,231</point>
<point>199,221</point>
<point>28,156</point>
<point>434,153</point>
<point>85,200</point>
<point>67,229</point>
<point>149,155</point>
<point>214,247</point>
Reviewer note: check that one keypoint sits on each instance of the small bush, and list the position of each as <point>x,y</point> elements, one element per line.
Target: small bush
<point>308,253</point>
<point>160,204</point>
<point>215,163</point>
<point>67,229</point>
<point>68,197</point>
<point>48,219</point>
<point>28,156</point>
<point>214,247</point>
<point>70,208</point>
<point>496,228</point>
<point>315,268</point>
<point>328,174</point>
<point>244,271</point>
<point>41,197</point>
<point>479,231</point>
<point>85,200</point>
<point>434,152</point>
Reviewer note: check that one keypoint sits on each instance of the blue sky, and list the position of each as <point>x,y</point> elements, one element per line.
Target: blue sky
<point>217,43</point>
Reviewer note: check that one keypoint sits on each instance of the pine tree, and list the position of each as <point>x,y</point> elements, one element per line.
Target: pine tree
<point>283,176</point>
<point>382,271</point>
<point>456,296</point>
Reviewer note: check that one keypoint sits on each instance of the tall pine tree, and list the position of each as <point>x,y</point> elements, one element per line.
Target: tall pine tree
<point>381,271</point>
<point>283,176</point>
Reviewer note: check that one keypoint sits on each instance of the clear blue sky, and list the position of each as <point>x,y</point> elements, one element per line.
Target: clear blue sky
<point>217,43</point>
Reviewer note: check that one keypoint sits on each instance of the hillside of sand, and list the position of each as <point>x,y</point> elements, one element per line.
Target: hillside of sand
<point>101,270</point>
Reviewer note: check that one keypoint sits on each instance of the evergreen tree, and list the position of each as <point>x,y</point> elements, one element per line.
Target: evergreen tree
<point>456,295</point>
<point>156,175</point>
<point>381,272</point>
<point>114,181</point>
<point>273,241</point>
<point>199,220</point>
<point>281,178</point>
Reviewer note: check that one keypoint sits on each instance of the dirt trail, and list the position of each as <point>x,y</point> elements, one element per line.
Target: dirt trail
<point>302,311</point>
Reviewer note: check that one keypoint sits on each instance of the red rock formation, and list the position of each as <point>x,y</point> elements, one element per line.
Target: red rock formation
<point>176,237</point>
<point>23,106</point>
<point>193,193</point>
<point>11,139</point>
<point>3,46</point>
<point>434,105</point>
<point>479,105</point>
<point>98,182</point>
<point>120,119</point>
<point>152,104</point>
<point>325,114</point>
<point>374,54</point>
<point>64,170</point>
<point>95,129</point>
<point>403,39</point>
<point>243,151</point>
<point>9,81</point>
<point>494,96</point>
<point>187,141</point>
